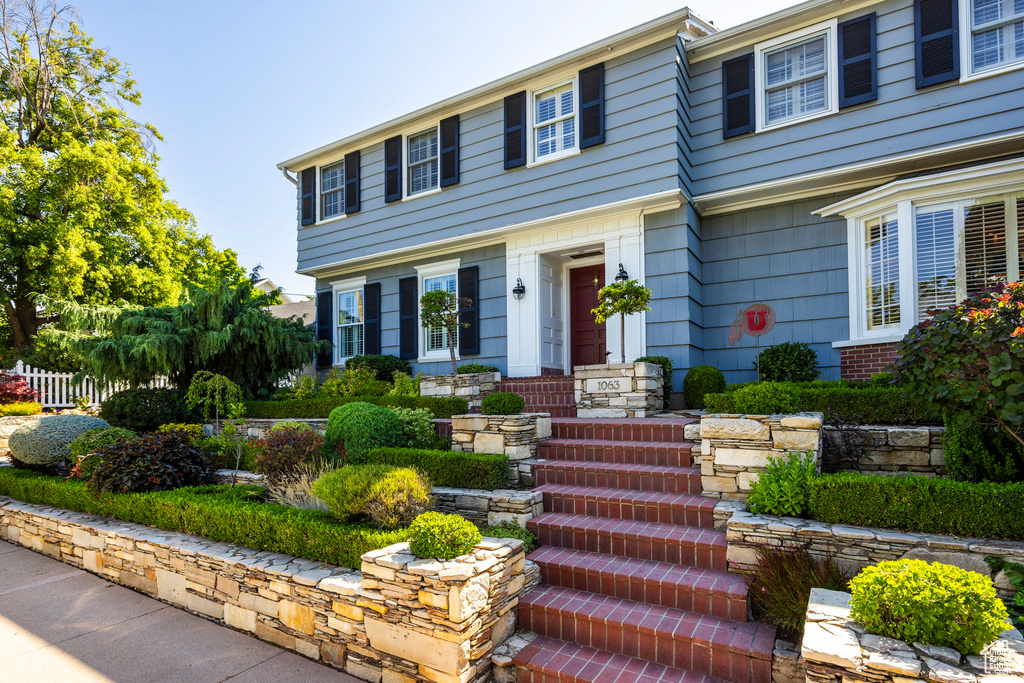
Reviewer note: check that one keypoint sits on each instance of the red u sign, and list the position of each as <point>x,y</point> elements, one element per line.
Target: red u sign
<point>757,320</point>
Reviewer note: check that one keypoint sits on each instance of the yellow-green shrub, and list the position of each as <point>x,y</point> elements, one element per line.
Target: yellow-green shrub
<point>397,498</point>
<point>442,536</point>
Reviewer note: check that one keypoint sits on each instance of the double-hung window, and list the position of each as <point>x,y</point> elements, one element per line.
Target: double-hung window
<point>422,164</point>
<point>332,190</point>
<point>796,77</point>
<point>350,324</point>
<point>553,116</point>
<point>882,272</point>
<point>436,338</point>
<point>996,37</point>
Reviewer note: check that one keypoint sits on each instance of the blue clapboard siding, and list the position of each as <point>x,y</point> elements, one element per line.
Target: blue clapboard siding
<point>493,294</point>
<point>638,158</point>
<point>782,256</point>
<point>902,120</point>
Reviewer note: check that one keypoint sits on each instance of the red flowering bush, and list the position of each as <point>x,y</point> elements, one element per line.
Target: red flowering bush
<point>14,389</point>
<point>286,448</point>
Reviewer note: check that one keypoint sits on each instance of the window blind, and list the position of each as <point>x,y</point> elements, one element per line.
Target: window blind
<point>882,273</point>
<point>984,246</point>
<point>936,259</point>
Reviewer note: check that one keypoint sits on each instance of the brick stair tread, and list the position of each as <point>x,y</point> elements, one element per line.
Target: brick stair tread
<point>618,467</point>
<point>707,591</point>
<point>631,476</point>
<point>683,545</point>
<point>571,663</point>
<point>701,643</point>
<point>608,443</point>
<point>677,508</point>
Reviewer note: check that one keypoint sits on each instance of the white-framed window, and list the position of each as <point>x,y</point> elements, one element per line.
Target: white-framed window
<point>421,161</point>
<point>332,190</point>
<point>552,119</point>
<point>433,277</point>
<point>995,39</point>
<point>348,319</point>
<point>796,76</point>
<point>881,273</point>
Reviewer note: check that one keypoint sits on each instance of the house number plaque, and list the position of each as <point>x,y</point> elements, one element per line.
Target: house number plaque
<point>604,386</point>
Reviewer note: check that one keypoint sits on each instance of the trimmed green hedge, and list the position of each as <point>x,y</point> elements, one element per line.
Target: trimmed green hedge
<point>445,468</point>
<point>920,504</point>
<point>858,403</point>
<point>322,407</point>
<point>223,513</point>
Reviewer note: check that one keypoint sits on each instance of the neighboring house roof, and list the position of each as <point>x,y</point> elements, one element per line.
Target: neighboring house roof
<point>305,310</point>
<point>267,285</point>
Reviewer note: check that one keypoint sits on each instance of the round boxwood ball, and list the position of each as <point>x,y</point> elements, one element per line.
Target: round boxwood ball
<point>45,441</point>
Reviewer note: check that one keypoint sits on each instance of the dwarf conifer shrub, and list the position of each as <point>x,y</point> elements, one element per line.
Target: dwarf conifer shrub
<point>442,536</point>
<point>46,441</point>
<point>397,498</point>
<point>935,604</point>
<point>700,381</point>
<point>502,403</point>
<point>355,428</point>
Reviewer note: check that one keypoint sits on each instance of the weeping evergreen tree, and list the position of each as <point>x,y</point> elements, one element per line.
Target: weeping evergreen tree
<point>227,331</point>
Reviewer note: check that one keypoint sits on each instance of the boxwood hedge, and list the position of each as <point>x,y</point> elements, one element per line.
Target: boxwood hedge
<point>322,407</point>
<point>445,468</point>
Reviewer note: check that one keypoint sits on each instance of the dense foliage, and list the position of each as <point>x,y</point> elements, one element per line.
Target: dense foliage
<point>781,584</point>
<point>920,504</point>
<point>969,360</point>
<point>89,443</point>
<point>513,530</point>
<point>284,449</point>
<point>213,392</point>
<point>622,299</point>
<point>666,375</point>
<point>700,381</point>
<point>417,427</point>
<point>223,513</point>
<point>14,409</point>
<point>474,368</point>
<point>321,407</point>
<point>405,385</point>
<point>354,428</point>
<point>784,488</point>
<point>45,441</point>
<point>975,452</point>
<point>789,362</point>
<point>766,398</point>
<point>143,410</point>
<point>390,496</point>
<point>14,389</point>
<point>442,536</point>
<point>935,604</point>
<point>446,468</point>
<point>384,366</point>
<point>152,462</point>
<point>502,403</point>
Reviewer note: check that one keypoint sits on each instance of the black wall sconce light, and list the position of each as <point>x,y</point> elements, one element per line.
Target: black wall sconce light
<point>622,275</point>
<point>519,291</point>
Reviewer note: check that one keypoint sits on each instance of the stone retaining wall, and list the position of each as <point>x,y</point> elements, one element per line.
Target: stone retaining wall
<point>258,428</point>
<point>400,619</point>
<point>516,436</point>
<point>9,424</point>
<point>618,390</point>
<point>885,450</point>
<point>472,387</point>
<point>735,449</point>
<point>856,547</point>
<point>836,649</point>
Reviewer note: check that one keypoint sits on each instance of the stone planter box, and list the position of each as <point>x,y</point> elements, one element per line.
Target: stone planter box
<point>880,449</point>
<point>516,436</point>
<point>838,650</point>
<point>472,387</point>
<point>735,449</point>
<point>400,618</point>
<point>618,390</point>
<point>9,424</point>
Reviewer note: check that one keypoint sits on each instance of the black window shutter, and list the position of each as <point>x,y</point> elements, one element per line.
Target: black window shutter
<point>857,61</point>
<point>308,182</point>
<point>393,169</point>
<point>738,96</point>
<point>325,327</point>
<point>450,151</point>
<point>469,288</point>
<point>592,106</point>
<point>515,130</point>
<point>408,318</point>
<point>371,318</point>
<point>352,182</point>
<point>936,41</point>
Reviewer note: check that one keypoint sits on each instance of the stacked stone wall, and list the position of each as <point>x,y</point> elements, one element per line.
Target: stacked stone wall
<point>618,390</point>
<point>881,449</point>
<point>517,436</point>
<point>473,387</point>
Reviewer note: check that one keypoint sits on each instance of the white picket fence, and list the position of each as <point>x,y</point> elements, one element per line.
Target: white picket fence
<point>58,391</point>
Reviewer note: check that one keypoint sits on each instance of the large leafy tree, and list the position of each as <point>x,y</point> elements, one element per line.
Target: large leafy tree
<point>227,331</point>
<point>83,212</point>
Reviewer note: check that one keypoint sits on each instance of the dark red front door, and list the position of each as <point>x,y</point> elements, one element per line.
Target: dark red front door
<point>588,338</point>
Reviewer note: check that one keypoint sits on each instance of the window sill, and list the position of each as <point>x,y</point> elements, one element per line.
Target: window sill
<point>426,193</point>
<point>870,341</point>
<point>554,157</point>
<point>332,219</point>
<point>1016,66</point>
<point>439,358</point>
<point>793,122</point>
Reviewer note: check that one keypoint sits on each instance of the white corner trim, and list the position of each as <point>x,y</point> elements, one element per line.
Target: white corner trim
<point>438,267</point>
<point>351,283</point>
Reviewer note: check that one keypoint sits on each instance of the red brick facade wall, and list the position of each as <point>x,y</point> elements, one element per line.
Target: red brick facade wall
<point>860,362</point>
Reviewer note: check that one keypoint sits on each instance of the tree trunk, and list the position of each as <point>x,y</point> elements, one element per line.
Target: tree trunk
<point>24,324</point>
<point>451,349</point>
<point>622,319</point>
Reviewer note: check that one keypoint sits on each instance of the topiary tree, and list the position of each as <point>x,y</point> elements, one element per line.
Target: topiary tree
<point>439,309</point>
<point>788,362</point>
<point>212,391</point>
<point>969,360</point>
<point>621,298</point>
<point>700,381</point>
<point>354,428</point>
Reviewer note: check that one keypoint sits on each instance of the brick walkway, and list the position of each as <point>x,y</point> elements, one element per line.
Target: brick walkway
<point>62,624</point>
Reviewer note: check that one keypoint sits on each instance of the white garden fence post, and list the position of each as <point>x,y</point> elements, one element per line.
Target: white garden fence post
<point>57,390</point>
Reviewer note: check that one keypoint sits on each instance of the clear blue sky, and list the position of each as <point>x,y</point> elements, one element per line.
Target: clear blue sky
<point>236,87</point>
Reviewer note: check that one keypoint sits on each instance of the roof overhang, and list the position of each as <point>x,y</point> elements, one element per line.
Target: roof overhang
<point>682,22</point>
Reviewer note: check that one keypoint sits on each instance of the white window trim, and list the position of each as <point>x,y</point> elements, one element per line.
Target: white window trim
<point>320,220</point>
<point>829,30</point>
<point>967,54</point>
<point>450,267</point>
<point>531,107</point>
<point>406,185</point>
<point>337,287</point>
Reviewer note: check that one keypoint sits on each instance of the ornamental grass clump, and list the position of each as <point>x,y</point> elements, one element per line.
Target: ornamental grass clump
<point>935,604</point>
<point>442,536</point>
<point>781,585</point>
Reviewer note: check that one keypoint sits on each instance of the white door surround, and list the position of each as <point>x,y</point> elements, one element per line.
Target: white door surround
<point>535,325</point>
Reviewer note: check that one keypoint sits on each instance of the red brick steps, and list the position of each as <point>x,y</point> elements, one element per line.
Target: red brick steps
<point>555,661</point>
<point>705,591</point>
<point>733,651</point>
<point>547,394</point>
<point>641,506</point>
<point>627,429</point>
<point>661,478</point>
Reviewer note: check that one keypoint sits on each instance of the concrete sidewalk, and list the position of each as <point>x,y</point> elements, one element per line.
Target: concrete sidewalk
<point>62,624</point>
